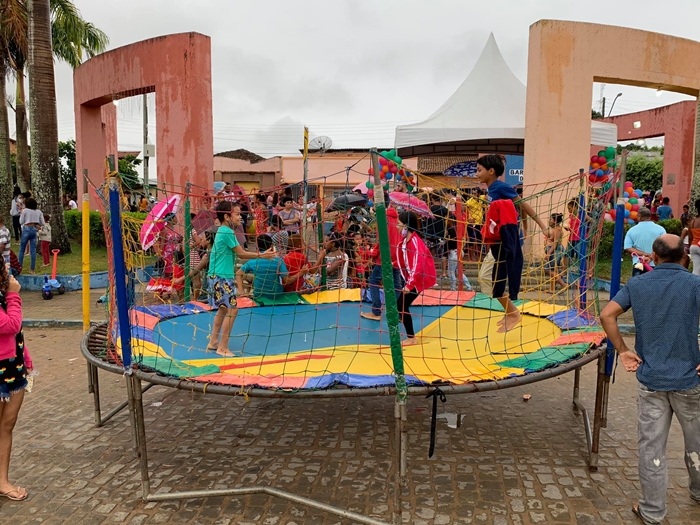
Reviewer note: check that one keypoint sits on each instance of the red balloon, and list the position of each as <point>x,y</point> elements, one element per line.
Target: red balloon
<point>635,207</point>
<point>370,170</point>
<point>393,168</point>
<point>383,161</point>
<point>594,159</point>
<point>592,178</point>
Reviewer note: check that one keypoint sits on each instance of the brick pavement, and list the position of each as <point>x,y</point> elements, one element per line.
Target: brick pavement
<point>508,462</point>
<point>66,307</point>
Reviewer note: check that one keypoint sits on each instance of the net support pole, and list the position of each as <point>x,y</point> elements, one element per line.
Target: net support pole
<point>188,235</point>
<point>461,221</point>
<point>115,219</point>
<point>583,251</point>
<point>319,220</point>
<point>392,318</point>
<point>86,253</point>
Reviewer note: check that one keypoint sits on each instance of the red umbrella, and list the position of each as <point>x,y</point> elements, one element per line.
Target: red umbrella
<point>408,201</point>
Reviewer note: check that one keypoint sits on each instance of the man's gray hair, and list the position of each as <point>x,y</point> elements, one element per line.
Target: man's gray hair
<point>644,213</point>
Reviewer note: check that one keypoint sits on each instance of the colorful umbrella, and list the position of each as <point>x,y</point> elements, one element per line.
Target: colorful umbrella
<point>410,202</point>
<point>155,222</point>
<point>362,186</point>
<point>203,221</point>
<point>344,202</point>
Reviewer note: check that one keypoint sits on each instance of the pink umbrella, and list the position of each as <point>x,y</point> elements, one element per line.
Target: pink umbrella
<point>155,222</point>
<point>410,202</point>
<point>362,186</point>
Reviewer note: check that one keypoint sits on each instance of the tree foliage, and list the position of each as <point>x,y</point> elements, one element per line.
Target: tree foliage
<point>127,171</point>
<point>646,174</point>
<point>66,153</point>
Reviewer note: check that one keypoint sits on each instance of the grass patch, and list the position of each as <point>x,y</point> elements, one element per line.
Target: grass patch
<point>69,264</point>
<point>604,268</point>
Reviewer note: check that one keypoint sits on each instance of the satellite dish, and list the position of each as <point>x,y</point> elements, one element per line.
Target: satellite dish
<point>321,144</point>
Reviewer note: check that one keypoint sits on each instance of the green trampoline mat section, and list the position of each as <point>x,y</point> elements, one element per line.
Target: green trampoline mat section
<point>547,356</point>
<point>485,302</point>
<point>173,367</point>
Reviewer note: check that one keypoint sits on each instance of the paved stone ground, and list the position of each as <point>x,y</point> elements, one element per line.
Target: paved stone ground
<point>509,462</point>
<point>66,307</point>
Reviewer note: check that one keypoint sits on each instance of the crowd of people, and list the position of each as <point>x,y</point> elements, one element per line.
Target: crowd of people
<point>275,237</point>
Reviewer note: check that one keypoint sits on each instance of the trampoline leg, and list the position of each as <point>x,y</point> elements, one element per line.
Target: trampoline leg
<point>94,389</point>
<point>606,397</point>
<point>140,434</point>
<point>577,388</point>
<point>598,413</point>
<point>401,446</point>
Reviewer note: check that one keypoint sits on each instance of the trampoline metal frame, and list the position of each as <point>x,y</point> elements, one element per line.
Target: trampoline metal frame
<point>135,390</point>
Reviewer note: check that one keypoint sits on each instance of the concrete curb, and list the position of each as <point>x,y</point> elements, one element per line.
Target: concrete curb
<point>52,323</point>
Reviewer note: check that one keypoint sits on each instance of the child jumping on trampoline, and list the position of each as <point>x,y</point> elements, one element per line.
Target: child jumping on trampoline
<point>222,272</point>
<point>501,230</point>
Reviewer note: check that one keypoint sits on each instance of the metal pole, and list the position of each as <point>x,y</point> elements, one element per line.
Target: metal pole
<point>188,234</point>
<point>94,389</point>
<point>146,158</point>
<point>319,219</point>
<point>140,428</point>
<point>131,403</point>
<point>597,415</point>
<point>392,318</point>
<point>86,253</point>
<point>120,272</point>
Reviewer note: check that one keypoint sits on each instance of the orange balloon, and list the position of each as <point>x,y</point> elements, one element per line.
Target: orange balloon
<point>604,167</point>
<point>633,215</point>
<point>595,165</point>
<point>628,206</point>
<point>385,169</point>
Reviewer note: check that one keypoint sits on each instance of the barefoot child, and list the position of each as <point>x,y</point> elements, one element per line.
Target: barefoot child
<point>503,234</point>
<point>554,251</point>
<point>222,272</point>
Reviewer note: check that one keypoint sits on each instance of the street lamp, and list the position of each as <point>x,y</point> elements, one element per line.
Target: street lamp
<point>613,104</point>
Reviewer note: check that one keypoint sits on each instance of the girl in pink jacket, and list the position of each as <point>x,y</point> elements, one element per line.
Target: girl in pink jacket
<point>14,367</point>
<point>417,269</point>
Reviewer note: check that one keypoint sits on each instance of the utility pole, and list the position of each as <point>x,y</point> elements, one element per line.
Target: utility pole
<point>145,142</point>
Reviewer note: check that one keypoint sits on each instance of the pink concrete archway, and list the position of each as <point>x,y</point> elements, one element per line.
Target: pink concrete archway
<point>677,123</point>
<point>178,69</point>
<point>565,58</point>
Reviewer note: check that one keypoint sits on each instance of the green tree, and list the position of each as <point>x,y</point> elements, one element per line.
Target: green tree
<point>73,39</point>
<point>646,174</point>
<point>596,114</point>
<point>12,27</point>
<point>127,171</point>
<point>66,152</point>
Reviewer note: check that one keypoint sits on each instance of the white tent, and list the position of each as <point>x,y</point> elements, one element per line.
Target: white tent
<point>486,114</point>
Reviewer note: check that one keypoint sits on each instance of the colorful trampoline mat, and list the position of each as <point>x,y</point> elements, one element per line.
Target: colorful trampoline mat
<point>316,342</point>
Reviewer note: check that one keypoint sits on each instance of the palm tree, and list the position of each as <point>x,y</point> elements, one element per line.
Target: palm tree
<point>44,129</point>
<point>13,24</point>
<point>73,40</point>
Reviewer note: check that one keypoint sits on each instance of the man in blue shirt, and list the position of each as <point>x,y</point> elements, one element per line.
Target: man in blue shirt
<point>269,275</point>
<point>666,308</point>
<point>665,211</point>
<point>639,239</point>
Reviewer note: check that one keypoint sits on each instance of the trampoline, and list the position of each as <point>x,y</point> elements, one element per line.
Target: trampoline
<point>318,344</point>
<point>315,343</point>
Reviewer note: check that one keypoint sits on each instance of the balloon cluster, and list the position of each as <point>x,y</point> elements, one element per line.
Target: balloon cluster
<point>602,165</point>
<point>390,168</point>
<point>633,201</point>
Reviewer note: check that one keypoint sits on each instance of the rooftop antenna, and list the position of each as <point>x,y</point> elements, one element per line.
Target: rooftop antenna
<point>320,144</point>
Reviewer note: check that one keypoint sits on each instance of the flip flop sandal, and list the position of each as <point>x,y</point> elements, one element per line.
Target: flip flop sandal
<point>212,349</point>
<point>639,514</point>
<point>9,496</point>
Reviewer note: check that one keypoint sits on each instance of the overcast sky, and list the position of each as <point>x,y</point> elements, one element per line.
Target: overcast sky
<point>350,69</point>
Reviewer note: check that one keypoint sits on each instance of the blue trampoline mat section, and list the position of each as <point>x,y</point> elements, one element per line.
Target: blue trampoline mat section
<point>280,330</point>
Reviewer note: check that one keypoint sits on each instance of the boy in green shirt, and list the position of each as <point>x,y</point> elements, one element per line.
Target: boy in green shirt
<point>222,266</point>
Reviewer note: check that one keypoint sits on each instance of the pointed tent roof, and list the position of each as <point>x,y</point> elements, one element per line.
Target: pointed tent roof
<point>488,107</point>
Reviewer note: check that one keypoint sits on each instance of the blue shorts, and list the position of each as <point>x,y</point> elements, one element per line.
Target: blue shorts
<point>222,292</point>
